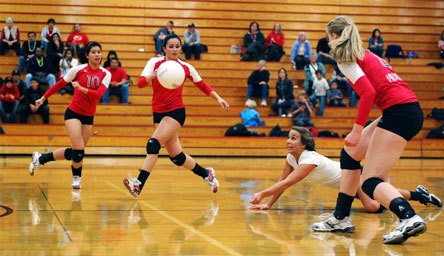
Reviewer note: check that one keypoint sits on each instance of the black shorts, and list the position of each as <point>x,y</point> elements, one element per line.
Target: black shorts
<point>178,114</point>
<point>404,119</point>
<point>69,114</point>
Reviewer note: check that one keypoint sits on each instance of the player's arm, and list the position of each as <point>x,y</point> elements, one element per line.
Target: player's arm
<point>148,73</point>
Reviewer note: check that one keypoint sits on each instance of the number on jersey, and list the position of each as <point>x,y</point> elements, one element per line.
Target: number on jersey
<point>93,82</point>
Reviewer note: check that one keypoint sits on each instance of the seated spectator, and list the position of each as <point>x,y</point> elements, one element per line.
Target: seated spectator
<point>160,35</point>
<point>275,43</point>
<point>10,38</point>
<point>32,94</point>
<point>284,94</point>
<point>250,116</point>
<point>111,55</point>
<point>376,43</point>
<point>323,50</point>
<point>55,53</point>
<point>320,88</point>
<point>300,51</point>
<point>254,43</point>
<point>258,84</point>
<point>335,96</point>
<point>343,84</point>
<point>76,40</point>
<point>119,82</point>
<point>310,72</point>
<point>28,50</point>
<point>302,110</point>
<point>39,68</point>
<point>9,101</point>
<point>66,63</point>
<point>47,32</point>
<point>191,42</point>
<point>19,83</point>
<point>441,45</point>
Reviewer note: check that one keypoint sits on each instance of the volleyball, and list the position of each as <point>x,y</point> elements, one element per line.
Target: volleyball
<point>170,74</point>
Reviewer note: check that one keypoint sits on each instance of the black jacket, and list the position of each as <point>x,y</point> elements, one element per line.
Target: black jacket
<point>259,76</point>
<point>284,90</point>
<point>31,96</point>
<point>248,39</point>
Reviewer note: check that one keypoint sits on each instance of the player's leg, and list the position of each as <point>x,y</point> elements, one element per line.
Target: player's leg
<point>75,132</point>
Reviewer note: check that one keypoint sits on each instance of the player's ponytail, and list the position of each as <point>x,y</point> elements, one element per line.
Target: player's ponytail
<point>348,47</point>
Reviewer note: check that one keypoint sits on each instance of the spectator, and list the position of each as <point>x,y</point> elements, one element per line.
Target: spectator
<point>320,87</point>
<point>310,72</point>
<point>76,40</point>
<point>302,110</point>
<point>9,101</point>
<point>258,84</point>
<point>10,38</point>
<point>28,50</point>
<point>55,53</point>
<point>160,35</point>
<point>254,42</point>
<point>66,64</point>
<point>335,96</point>
<point>376,43</point>
<point>250,116</point>
<point>343,84</point>
<point>284,94</point>
<point>192,42</point>
<point>441,44</point>
<point>47,33</point>
<point>300,51</point>
<point>111,55</point>
<point>19,83</point>
<point>32,94</point>
<point>275,43</point>
<point>323,50</point>
<point>39,68</point>
<point>119,82</point>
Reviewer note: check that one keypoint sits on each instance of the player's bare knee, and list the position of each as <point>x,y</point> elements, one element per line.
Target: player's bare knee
<point>348,163</point>
<point>370,185</point>
<point>152,146</point>
<point>77,155</point>
<point>179,160</point>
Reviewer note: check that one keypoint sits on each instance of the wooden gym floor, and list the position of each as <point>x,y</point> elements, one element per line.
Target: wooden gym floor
<point>176,214</point>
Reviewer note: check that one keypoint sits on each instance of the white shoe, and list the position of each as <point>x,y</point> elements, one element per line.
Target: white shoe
<point>132,184</point>
<point>283,115</point>
<point>35,164</point>
<point>211,179</point>
<point>76,182</point>
<point>405,229</point>
<point>428,198</point>
<point>264,103</point>
<point>331,224</point>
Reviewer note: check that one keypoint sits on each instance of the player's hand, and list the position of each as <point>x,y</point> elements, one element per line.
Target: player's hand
<point>354,136</point>
<point>256,199</point>
<point>76,85</point>
<point>259,207</point>
<point>223,104</point>
<point>40,101</point>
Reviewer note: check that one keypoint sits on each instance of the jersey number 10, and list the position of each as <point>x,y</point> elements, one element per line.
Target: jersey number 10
<point>93,82</point>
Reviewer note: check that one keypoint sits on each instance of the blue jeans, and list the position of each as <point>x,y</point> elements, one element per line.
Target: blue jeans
<point>257,91</point>
<point>281,108</point>
<point>321,100</point>
<point>159,46</point>
<point>122,91</point>
<point>22,63</point>
<point>8,107</point>
<point>49,79</point>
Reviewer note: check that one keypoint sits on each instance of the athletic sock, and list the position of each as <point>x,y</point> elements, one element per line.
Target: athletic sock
<point>76,171</point>
<point>415,196</point>
<point>199,170</point>
<point>143,176</point>
<point>402,208</point>
<point>44,158</point>
<point>343,206</point>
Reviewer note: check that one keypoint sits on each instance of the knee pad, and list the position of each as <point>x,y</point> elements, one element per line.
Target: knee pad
<point>77,155</point>
<point>369,186</point>
<point>68,154</point>
<point>179,160</point>
<point>347,162</point>
<point>152,146</point>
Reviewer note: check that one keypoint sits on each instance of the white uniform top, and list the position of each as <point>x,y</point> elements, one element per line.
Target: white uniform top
<point>327,172</point>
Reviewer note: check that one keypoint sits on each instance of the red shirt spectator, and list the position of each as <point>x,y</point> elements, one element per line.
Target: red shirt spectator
<point>9,94</point>
<point>118,74</point>
<point>76,37</point>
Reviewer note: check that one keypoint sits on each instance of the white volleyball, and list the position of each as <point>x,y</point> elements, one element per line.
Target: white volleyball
<point>171,74</point>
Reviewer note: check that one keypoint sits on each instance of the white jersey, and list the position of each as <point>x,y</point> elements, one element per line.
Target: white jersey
<point>327,171</point>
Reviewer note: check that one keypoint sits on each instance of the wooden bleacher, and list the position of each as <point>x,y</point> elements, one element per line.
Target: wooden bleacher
<point>128,27</point>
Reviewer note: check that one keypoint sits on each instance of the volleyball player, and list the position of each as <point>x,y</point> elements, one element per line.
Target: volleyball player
<point>169,117</point>
<point>304,163</point>
<point>90,82</point>
<point>382,142</point>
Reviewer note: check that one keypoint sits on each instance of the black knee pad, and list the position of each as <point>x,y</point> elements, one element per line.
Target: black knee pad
<point>348,163</point>
<point>68,154</point>
<point>77,155</point>
<point>152,146</point>
<point>369,186</point>
<point>179,160</point>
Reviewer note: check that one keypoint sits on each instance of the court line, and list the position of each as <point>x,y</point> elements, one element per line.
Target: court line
<point>182,224</point>
<point>53,211</point>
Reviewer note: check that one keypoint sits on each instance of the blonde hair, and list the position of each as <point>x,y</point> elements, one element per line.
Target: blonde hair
<point>348,47</point>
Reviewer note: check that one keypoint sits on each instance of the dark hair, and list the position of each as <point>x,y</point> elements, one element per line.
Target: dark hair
<point>90,45</point>
<point>442,35</point>
<point>171,36</point>
<point>306,138</point>
<point>31,32</point>
<point>67,50</point>
<point>251,24</point>
<point>55,34</point>
<point>8,79</point>
<point>318,72</point>
<point>34,79</point>
<point>374,32</point>
<point>51,20</point>
<point>114,59</point>
<point>285,71</point>
<point>170,22</point>
<point>112,52</point>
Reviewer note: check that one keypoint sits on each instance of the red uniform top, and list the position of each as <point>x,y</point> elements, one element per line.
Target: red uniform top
<point>6,93</point>
<point>376,82</point>
<point>77,38</point>
<point>96,81</point>
<point>278,38</point>
<point>117,75</point>
<point>166,100</point>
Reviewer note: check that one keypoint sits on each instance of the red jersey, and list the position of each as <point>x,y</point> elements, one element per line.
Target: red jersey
<point>166,100</point>
<point>96,81</point>
<point>373,76</point>
<point>117,75</point>
<point>77,38</point>
<point>9,94</point>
